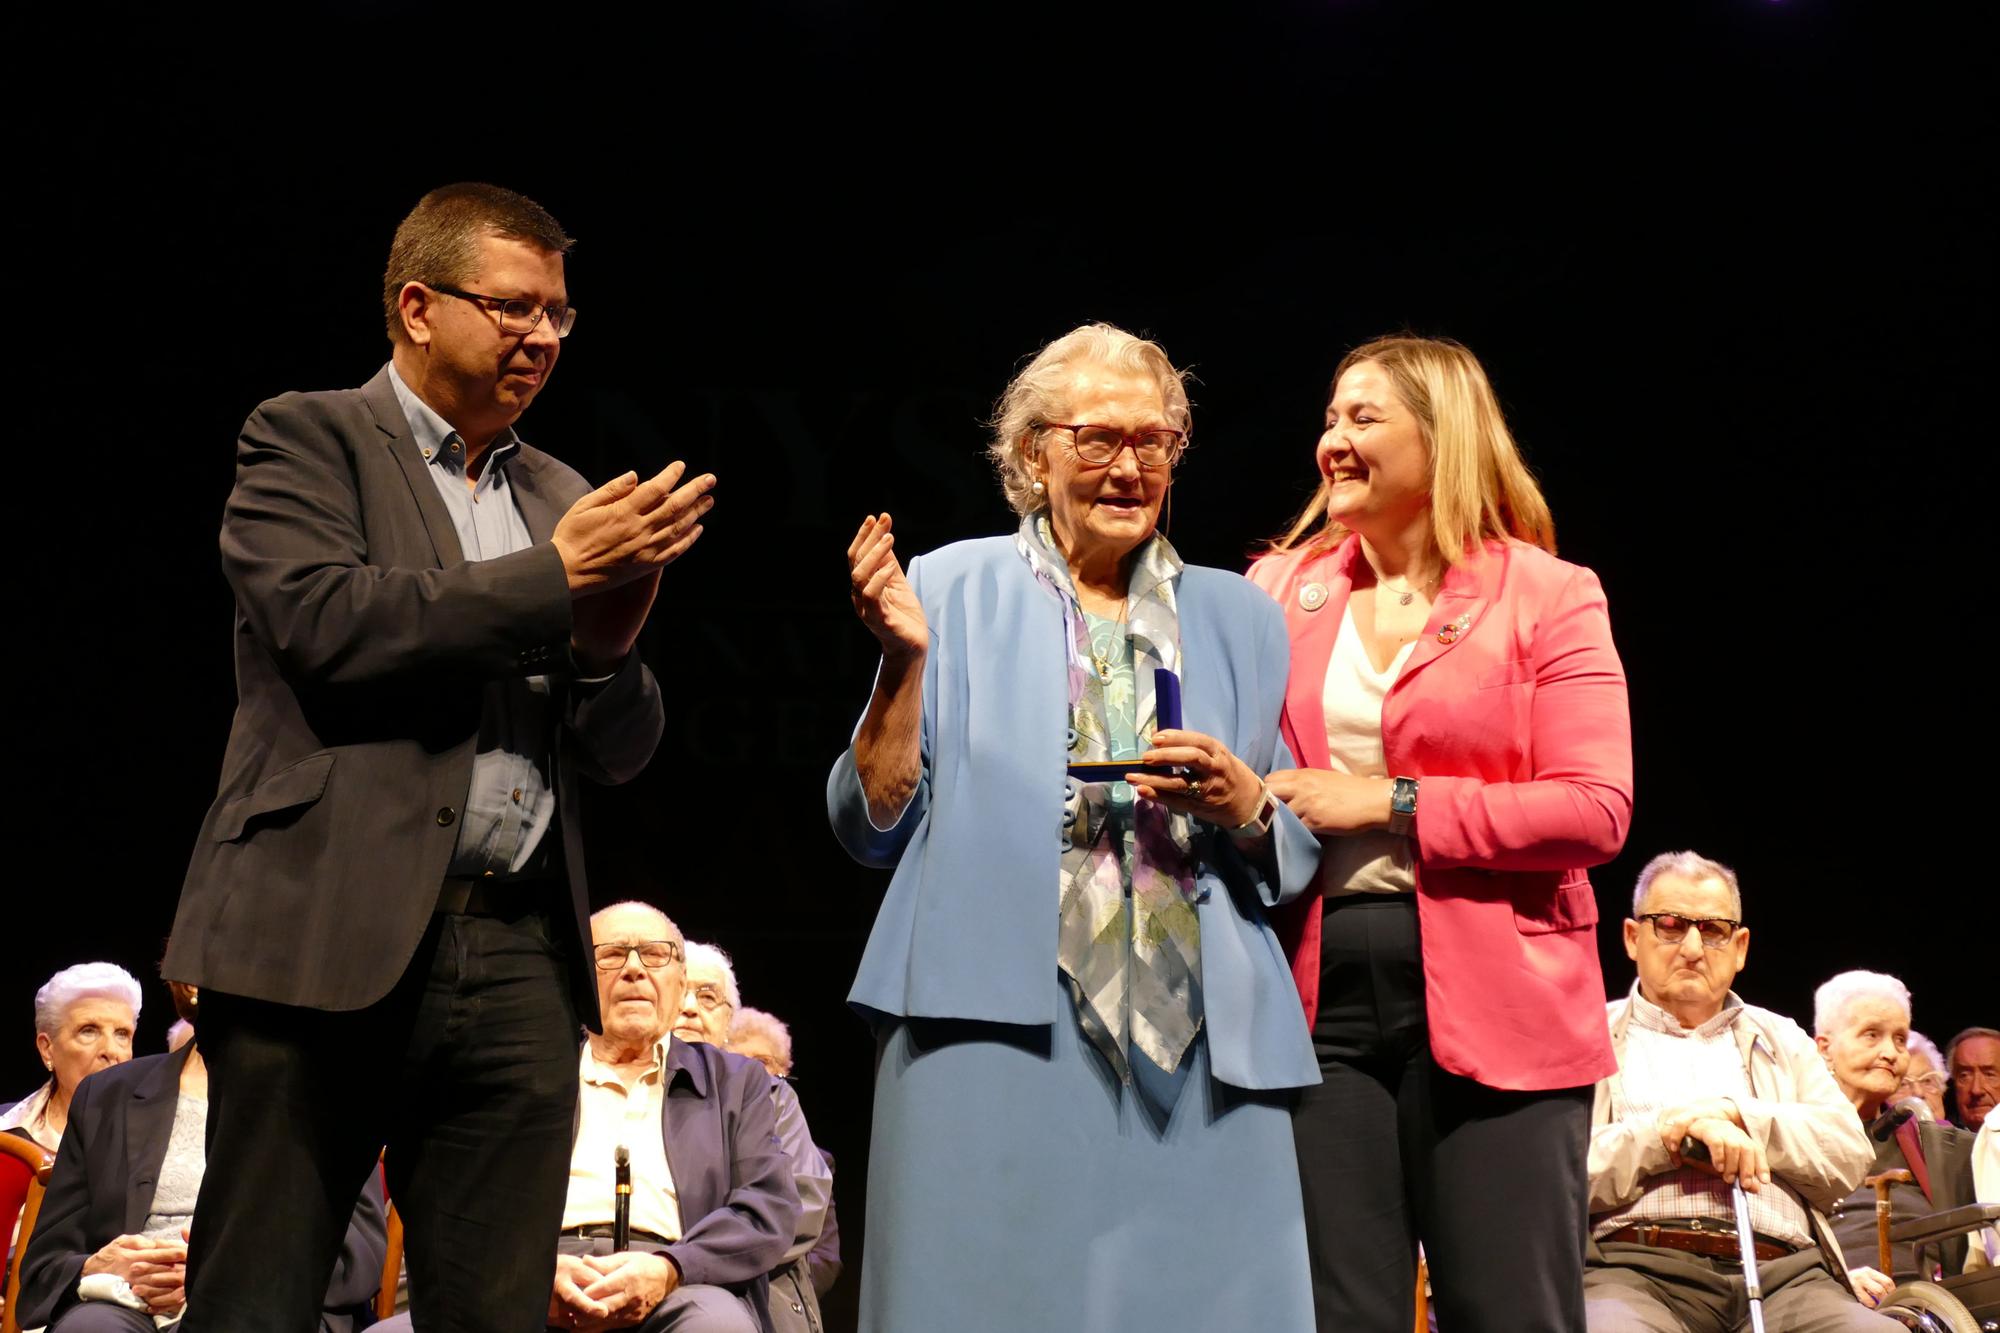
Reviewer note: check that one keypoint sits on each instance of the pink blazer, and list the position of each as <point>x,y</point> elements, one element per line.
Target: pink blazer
<point>1515,724</point>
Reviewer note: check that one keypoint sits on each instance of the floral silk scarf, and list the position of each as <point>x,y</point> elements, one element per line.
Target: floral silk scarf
<point>1128,943</point>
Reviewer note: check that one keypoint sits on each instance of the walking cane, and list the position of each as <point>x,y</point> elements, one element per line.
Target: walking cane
<point>1694,1150</point>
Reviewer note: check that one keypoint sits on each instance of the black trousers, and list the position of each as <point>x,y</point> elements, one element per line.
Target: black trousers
<point>466,1071</point>
<point>1394,1149</point>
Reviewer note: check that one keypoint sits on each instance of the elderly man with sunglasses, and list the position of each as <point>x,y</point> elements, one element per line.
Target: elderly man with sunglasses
<point>1751,1087</point>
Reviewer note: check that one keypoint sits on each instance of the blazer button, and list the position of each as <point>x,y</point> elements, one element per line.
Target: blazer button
<point>445,816</point>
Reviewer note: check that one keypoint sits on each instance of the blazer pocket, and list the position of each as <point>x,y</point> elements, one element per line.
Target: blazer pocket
<point>1519,672</point>
<point>299,785</point>
<point>1566,904</point>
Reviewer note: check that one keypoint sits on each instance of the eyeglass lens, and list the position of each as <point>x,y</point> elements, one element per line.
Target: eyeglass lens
<point>1100,444</point>
<point>611,957</point>
<point>522,316</point>
<point>1672,929</point>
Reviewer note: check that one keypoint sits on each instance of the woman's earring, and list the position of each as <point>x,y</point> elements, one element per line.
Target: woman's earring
<point>1039,488</point>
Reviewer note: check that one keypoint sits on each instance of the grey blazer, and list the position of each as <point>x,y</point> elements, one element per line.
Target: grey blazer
<point>363,638</point>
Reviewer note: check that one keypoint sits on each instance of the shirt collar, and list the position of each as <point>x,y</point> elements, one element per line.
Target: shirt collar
<point>1655,1019</point>
<point>435,436</point>
<point>594,1070</point>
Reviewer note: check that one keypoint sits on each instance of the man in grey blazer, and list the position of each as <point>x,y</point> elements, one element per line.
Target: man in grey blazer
<point>386,907</point>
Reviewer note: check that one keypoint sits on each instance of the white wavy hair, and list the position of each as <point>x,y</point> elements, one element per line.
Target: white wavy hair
<point>1924,1046</point>
<point>1830,1001</point>
<point>756,1022</point>
<point>708,955</point>
<point>1040,393</point>
<point>85,981</point>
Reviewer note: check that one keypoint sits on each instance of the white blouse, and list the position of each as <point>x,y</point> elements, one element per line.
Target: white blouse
<point>1376,860</point>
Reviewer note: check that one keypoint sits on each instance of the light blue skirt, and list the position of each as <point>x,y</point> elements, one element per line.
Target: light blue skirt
<point>1014,1186</point>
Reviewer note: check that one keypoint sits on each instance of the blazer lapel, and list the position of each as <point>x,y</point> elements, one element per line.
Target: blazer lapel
<point>1315,602</point>
<point>540,510</point>
<point>149,1124</point>
<point>1460,604</point>
<point>380,396</point>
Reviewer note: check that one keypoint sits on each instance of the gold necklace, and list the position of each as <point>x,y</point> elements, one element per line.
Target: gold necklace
<point>1404,596</point>
<point>1102,661</point>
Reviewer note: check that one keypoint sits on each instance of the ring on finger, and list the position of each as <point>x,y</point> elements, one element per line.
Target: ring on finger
<point>1194,788</point>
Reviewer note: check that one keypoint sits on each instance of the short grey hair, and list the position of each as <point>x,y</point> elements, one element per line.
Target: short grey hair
<point>85,981</point>
<point>1830,1001</point>
<point>1924,1046</point>
<point>1951,1047</point>
<point>756,1022</point>
<point>707,955</point>
<point>1690,866</point>
<point>1040,393</point>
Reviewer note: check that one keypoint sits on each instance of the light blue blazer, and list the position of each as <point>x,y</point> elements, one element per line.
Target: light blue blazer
<point>968,927</point>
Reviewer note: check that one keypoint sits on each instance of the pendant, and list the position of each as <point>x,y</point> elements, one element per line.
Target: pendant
<point>1406,599</point>
<point>1103,666</point>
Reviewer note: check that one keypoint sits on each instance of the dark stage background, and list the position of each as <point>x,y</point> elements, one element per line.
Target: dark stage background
<point>1721,260</point>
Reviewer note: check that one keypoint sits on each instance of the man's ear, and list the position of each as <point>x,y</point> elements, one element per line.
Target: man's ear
<point>415,305</point>
<point>1631,939</point>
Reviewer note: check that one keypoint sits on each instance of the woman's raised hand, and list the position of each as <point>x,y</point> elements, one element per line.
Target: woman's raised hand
<point>882,597</point>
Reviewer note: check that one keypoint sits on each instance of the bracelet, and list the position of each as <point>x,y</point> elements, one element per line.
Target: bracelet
<point>1260,823</point>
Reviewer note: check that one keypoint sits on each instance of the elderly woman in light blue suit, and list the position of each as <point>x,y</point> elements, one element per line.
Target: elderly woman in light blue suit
<point>1088,1031</point>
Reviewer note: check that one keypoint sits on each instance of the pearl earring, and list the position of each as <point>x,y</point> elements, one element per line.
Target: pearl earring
<point>1039,488</point>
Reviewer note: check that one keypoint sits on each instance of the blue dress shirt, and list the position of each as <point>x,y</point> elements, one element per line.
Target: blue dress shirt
<point>511,803</point>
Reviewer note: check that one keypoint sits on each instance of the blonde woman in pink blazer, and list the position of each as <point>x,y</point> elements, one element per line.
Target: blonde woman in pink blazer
<point>1459,713</point>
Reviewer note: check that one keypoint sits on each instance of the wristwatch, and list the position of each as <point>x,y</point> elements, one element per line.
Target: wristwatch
<point>1403,806</point>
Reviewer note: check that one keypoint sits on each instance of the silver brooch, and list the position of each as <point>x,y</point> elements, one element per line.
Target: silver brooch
<point>1312,596</point>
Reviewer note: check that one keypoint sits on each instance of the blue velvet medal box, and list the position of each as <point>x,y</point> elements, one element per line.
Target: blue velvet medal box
<point>1167,689</point>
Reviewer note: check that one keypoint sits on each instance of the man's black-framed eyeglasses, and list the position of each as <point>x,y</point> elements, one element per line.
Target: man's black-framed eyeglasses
<point>516,315</point>
<point>1672,928</point>
<point>1098,445</point>
<point>653,955</point>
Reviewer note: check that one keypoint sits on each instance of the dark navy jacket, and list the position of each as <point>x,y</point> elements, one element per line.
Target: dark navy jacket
<point>102,1188</point>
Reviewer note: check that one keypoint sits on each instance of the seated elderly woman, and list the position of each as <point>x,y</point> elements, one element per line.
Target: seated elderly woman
<point>1927,1077</point>
<point>1861,1021</point>
<point>796,1285</point>
<point>84,1019</point>
<point>109,1251</point>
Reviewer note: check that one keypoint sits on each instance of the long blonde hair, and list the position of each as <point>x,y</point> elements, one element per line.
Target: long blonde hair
<point>1480,488</point>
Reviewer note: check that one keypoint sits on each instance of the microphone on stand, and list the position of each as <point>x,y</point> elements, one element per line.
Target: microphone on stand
<point>1890,1121</point>
<point>621,1201</point>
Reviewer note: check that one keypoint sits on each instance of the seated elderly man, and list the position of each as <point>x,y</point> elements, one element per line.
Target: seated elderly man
<point>1861,1023</point>
<point>712,1201</point>
<point>1973,1058</point>
<point>84,1020</point>
<point>1749,1085</point>
<point>813,1262</point>
<point>109,1252</point>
